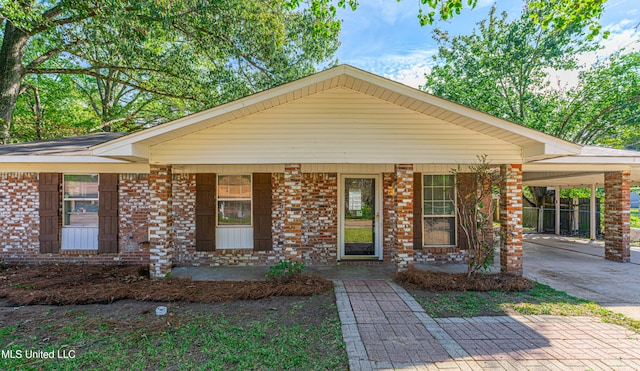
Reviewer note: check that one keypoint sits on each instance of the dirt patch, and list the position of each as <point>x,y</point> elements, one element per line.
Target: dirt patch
<point>439,281</point>
<point>65,284</point>
<point>37,322</point>
<point>191,335</point>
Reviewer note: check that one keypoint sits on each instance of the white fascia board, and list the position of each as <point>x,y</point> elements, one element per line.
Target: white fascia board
<point>590,167</point>
<point>595,160</point>
<point>87,159</point>
<point>132,150</point>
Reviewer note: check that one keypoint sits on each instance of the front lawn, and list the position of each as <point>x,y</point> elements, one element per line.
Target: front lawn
<point>358,234</point>
<point>104,317</point>
<point>442,299</point>
<point>290,333</point>
<point>635,218</point>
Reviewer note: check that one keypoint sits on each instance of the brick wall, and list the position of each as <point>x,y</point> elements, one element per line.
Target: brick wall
<point>19,204</point>
<point>184,212</point>
<point>133,213</point>
<point>292,211</point>
<point>617,216</point>
<point>388,217</point>
<point>318,210</point>
<point>160,220</point>
<point>277,210</point>
<point>319,218</point>
<point>318,229</point>
<point>511,219</point>
<point>19,217</point>
<point>440,255</point>
<point>404,216</point>
<point>184,230</point>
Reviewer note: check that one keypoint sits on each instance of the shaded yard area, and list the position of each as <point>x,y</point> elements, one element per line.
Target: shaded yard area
<point>207,325</point>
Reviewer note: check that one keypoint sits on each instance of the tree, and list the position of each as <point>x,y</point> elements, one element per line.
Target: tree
<point>548,13</point>
<point>502,66</point>
<point>51,107</point>
<point>501,69</point>
<point>604,108</point>
<point>202,53</point>
<point>475,188</point>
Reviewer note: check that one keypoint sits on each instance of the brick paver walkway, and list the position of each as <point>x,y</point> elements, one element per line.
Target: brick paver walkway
<point>385,328</point>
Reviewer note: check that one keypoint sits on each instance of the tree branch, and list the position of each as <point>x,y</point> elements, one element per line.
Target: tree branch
<point>92,72</point>
<point>51,13</point>
<point>51,53</point>
<point>60,22</point>
<point>97,64</point>
<point>226,40</point>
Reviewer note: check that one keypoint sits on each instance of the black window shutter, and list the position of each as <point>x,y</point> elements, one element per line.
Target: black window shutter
<point>108,214</point>
<point>205,212</point>
<point>262,240</point>
<point>50,202</point>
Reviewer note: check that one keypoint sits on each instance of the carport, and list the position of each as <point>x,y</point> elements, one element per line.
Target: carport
<point>576,267</point>
<point>594,167</point>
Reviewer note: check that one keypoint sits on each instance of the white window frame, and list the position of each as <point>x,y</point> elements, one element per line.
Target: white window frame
<point>65,199</point>
<point>454,215</point>
<point>250,199</point>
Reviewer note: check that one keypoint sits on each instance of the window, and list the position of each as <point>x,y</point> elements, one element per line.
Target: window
<point>234,200</point>
<point>439,210</point>
<point>80,204</point>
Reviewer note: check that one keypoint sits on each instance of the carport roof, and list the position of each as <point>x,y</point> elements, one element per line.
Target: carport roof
<point>583,169</point>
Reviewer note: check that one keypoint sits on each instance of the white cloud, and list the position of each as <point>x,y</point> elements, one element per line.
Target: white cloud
<point>408,69</point>
<point>412,76</point>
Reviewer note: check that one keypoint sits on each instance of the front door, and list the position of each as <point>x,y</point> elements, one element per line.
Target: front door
<point>359,218</point>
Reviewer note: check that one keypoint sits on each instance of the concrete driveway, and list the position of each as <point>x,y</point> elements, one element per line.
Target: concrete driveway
<point>578,268</point>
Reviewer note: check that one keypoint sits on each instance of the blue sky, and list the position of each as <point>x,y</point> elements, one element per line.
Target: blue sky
<point>384,36</point>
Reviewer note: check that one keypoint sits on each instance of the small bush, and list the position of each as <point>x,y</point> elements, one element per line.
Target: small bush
<point>285,271</point>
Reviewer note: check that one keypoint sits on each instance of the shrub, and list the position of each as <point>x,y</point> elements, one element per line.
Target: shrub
<point>285,271</point>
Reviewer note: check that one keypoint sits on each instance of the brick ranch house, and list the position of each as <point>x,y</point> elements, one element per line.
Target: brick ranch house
<point>339,167</point>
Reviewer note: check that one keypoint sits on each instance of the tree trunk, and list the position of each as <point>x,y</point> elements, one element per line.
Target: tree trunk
<point>11,71</point>
<point>37,111</point>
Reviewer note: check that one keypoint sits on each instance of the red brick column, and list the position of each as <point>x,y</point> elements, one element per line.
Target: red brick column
<point>292,211</point>
<point>511,219</point>
<point>388,217</point>
<point>616,216</point>
<point>160,221</point>
<point>404,216</point>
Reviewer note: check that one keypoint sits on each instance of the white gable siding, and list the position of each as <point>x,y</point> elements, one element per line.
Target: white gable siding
<point>334,126</point>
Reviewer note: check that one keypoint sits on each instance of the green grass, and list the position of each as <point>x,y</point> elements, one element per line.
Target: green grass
<point>635,218</point>
<point>358,235</point>
<point>201,340</point>
<point>540,300</point>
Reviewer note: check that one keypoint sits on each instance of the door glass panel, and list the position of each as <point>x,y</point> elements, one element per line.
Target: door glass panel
<point>359,216</point>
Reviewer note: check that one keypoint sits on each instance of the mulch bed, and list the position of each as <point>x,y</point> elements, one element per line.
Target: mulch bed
<point>64,284</point>
<point>439,281</point>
